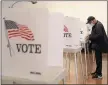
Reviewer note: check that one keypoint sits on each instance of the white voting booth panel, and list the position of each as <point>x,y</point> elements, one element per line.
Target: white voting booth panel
<point>55,40</point>
<point>67,29</point>
<point>21,63</point>
<point>83,31</point>
<point>37,55</point>
<point>73,28</point>
<point>76,31</point>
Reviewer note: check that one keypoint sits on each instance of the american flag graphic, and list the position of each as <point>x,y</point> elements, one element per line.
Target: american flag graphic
<point>65,29</point>
<point>18,30</point>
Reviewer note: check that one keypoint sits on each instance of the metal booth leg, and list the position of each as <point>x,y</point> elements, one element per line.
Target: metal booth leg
<point>76,71</point>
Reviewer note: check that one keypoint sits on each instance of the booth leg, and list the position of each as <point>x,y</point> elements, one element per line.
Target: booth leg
<point>76,71</point>
<point>82,69</point>
<point>88,58</point>
<point>69,66</point>
<point>85,60</point>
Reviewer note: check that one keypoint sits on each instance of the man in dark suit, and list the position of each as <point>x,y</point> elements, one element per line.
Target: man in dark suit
<point>99,43</point>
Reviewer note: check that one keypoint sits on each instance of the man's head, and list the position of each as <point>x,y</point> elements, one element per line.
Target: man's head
<point>91,20</point>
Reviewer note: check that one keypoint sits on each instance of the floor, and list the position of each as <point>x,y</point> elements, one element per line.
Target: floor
<point>71,78</point>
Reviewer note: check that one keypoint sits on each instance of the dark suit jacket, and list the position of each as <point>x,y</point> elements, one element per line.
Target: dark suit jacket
<point>98,37</point>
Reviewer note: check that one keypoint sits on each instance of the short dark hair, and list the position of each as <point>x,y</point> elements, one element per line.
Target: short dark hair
<point>89,19</point>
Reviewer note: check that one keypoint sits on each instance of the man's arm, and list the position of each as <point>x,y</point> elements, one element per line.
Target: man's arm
<point>98,33</point>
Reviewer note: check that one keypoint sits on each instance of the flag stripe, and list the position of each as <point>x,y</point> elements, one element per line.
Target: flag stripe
<point>27,38</point>
<point>16,30</point>
<point>13,31</point>
<point>26,35</point>
<point>14,36</point>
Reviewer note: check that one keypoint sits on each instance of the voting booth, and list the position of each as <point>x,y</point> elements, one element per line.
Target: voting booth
<point>72,29</point>
<point>72,44</point>
<point>32,42</point>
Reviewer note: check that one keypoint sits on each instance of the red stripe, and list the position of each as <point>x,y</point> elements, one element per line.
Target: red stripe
<point>25,30</point>
<point>26,33</point>
<point>13,30</point>
<point>13,36</point>
<point>25,36</point>
<point>12,33</point>
<point>28,38</point>
<point>22,37</point>
<point>22,28</point>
